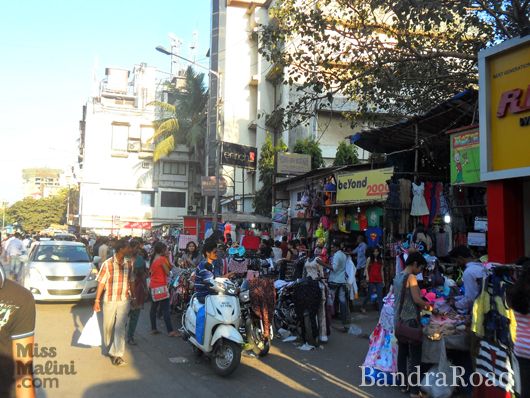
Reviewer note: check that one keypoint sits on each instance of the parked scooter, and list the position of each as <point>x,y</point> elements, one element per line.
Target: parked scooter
<point>297,309</point>
<point>257,309</point>
<point>213,327</point>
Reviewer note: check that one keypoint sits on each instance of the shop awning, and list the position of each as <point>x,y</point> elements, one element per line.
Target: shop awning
<point>245,218</point>
<point>460,110</point>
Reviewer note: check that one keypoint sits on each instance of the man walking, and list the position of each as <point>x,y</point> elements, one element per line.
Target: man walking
<point>115,279</point>
<point>14,250</point>
<point>338,283</point>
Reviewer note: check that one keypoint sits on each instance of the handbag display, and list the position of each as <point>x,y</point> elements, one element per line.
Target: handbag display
<point>159,293</point>
<point>408,332</point>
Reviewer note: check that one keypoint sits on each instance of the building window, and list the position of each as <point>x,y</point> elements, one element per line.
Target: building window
<point>146,134</point>
<point>174,168</point>
<point>173,199</point>
<point>148,199</point>
<point>120,137</point>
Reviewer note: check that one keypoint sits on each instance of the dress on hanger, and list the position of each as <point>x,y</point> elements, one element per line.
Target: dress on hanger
<point>419,205</point>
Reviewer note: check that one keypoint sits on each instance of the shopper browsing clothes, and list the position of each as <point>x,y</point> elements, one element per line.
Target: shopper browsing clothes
<point>408,304</point>
<point>375,278</point>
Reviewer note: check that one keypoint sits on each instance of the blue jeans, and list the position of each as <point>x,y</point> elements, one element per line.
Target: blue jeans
<point>374,287</point>
<point>164,307</point>
<point>342,291</point>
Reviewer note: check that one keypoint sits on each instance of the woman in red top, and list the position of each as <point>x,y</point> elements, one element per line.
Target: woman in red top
<point>375,278</point>
<point>159,278</point>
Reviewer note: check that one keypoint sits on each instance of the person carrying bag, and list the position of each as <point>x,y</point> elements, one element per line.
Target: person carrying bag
<point>408,329</point>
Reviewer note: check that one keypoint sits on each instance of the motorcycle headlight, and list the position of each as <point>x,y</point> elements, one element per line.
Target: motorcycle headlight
<point>244,296</point>
<point>230,288</point>
<point>92,275</point>
<point>35,275</point>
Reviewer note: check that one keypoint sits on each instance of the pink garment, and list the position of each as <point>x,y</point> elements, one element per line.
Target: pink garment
<point>239,267</point>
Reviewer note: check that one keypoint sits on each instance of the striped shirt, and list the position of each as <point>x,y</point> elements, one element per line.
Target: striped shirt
<point>522,336</point>
<point>115,277</point>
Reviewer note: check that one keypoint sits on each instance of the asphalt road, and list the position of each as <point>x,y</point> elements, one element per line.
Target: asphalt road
<point>160,365</point>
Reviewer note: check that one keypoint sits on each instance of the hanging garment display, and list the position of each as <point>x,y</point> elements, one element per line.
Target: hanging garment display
<point>373,216</point>
<point>393,202</point>
<point>374,235</point>
<point>359,221</point>
<point>341,220</point>
<point>427,194</point>
<point>419,206</point>
<point>404,196</point>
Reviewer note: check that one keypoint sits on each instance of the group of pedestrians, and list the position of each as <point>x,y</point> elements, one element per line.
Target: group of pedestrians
<point>123,290</point>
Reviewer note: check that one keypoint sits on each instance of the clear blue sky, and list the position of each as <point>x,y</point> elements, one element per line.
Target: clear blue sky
<point>48,52</point>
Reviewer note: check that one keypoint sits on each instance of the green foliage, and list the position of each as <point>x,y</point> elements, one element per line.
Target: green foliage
<point>35,215</point>
<point>309,146</point>
<point>346,155</point>
<point>390,57</point>
<point>183,122</point>
<point>263,198</point>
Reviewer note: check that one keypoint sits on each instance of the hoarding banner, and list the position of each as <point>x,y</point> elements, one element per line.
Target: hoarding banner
<point>363,186</point>
<point>505,109</point>
<point>208,185</point>
<point>292,163</point>
<point>239,155</point>
<point>465,157</point>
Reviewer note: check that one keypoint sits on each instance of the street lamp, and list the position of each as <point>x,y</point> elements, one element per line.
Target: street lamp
<point>4,204</point>
<point>220,125</point>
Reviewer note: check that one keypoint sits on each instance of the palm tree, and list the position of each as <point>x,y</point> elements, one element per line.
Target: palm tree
<point>185,121</point>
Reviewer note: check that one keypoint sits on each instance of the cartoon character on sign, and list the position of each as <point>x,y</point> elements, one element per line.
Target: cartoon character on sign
<point>461,159</point>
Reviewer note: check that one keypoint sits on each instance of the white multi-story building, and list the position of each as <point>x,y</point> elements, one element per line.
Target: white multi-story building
<point>251,90</point>
<point>42,182</point>
<point>121,190</point>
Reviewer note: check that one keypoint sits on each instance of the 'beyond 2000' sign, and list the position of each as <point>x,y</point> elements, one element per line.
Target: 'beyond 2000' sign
<point>239,155</point>
<point>363,186</point>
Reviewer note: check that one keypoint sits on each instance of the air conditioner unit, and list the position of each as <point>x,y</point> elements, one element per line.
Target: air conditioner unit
<point>192,208</point>
<point>134,146</point>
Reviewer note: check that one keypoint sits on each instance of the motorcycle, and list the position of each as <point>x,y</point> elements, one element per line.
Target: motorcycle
<point>257,305</point>
<point>297,309</point>
<point>180,290</point>
<point>213,327</point>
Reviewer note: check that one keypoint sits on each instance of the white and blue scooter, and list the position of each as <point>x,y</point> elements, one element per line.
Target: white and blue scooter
<point>213,327</point>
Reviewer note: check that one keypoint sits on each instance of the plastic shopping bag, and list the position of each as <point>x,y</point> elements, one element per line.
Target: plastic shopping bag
<point>438,381</point>
<point>91,335</point>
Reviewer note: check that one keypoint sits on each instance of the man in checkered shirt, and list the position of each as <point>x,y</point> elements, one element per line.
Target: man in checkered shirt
<point>115,279</point>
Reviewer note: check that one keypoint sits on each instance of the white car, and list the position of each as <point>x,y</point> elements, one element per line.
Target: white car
<point>59,271</point>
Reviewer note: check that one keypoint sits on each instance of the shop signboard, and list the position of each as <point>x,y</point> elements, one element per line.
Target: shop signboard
<point>137,225</point>
<point>208,185</point>
<point>504,108</point>
<point>465,157</point>
<point>292,163</point>
<point>363,186</point>
<point>239,155</point>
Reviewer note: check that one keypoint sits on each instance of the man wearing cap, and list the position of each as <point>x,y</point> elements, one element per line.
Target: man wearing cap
<point>473,274</point>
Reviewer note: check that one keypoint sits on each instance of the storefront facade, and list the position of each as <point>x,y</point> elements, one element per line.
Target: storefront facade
<point>505,146</point>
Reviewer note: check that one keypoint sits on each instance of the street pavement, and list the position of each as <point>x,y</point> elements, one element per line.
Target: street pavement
<point>160,365</point>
